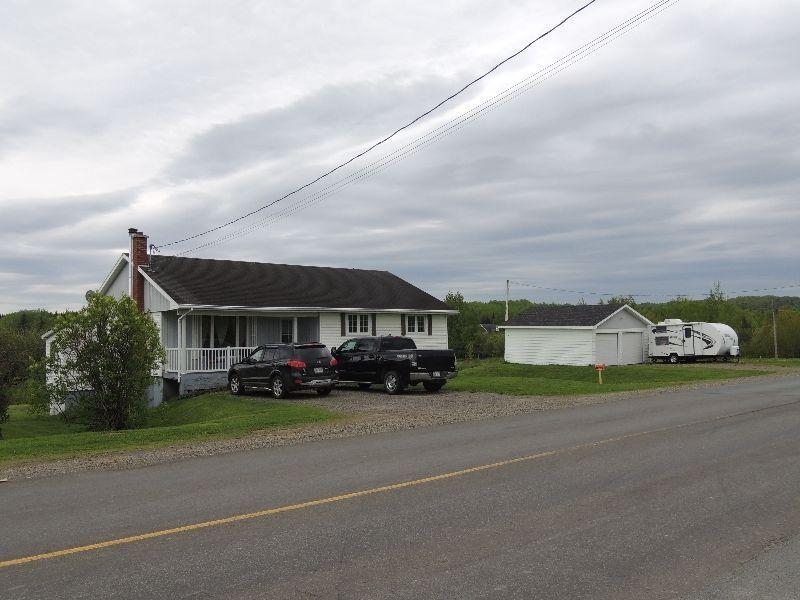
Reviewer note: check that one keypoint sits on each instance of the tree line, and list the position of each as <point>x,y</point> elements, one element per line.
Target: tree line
<point>750,317</point>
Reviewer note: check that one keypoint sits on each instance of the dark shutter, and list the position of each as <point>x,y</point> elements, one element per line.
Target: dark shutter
<point>344,324</point>
<point>430,324</point>
<point>402,324</point>
<point>374,318</point>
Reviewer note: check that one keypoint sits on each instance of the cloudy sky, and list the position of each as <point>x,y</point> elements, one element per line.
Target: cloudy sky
<point>665,161</point>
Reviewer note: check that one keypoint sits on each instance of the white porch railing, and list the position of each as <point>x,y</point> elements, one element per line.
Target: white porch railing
<point>189,360</point>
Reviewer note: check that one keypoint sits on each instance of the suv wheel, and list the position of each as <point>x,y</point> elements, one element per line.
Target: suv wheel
<point>278,387</point>
<point>235,384</point>
<point>392,382</point>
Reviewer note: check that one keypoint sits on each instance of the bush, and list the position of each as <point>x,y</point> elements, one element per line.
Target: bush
<point>102,359</point>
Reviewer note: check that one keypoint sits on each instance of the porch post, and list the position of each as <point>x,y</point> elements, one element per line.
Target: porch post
<point>294,329</point>
<point>228,358</point>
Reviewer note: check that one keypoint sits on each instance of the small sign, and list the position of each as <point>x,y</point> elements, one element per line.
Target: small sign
<point>599,367</point>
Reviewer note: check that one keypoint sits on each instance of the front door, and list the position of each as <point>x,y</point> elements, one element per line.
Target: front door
<point>688,341</point>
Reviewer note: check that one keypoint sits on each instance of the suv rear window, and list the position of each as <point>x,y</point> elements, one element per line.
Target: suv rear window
<point>309,353</point>
<point>398,343</point>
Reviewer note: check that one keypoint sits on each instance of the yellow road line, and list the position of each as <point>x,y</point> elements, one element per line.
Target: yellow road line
<point>368,492</point>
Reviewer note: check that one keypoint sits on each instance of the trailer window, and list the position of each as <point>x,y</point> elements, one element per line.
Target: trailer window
<point>687,333</point>
<point>660,329</point>
<point>662,340</point>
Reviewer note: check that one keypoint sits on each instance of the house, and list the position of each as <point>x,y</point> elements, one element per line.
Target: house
<point>213,313</point>
<point>577,335</point>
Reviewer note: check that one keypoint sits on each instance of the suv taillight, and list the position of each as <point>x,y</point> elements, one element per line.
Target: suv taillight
<point>296,364</point>
<point>334,362</point>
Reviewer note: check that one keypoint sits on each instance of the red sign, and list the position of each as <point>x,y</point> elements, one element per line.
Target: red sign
<point>599,367</point>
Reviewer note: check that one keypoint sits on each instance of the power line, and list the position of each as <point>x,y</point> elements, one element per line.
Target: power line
<point>456,123</point>
<point>391,135</point>
<point>649,295</point>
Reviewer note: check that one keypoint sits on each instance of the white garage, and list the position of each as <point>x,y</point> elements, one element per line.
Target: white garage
<point>577,335</point>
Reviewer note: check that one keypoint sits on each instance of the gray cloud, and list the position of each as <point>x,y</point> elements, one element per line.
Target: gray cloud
<point>664,163</point>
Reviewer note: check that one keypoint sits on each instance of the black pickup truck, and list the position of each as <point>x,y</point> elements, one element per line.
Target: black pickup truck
<point>393,362</point>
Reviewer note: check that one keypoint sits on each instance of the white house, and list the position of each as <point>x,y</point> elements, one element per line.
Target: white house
<point>577,335</point>
<point>212,313</point>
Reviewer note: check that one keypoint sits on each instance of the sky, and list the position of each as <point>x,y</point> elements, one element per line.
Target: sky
<point>665,161</point>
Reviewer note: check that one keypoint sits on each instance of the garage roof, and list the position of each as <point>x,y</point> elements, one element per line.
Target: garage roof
<point>568,315</point>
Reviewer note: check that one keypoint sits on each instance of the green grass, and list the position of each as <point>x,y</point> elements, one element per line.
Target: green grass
<point>772,362</point>
<point>210,416</point>
<point>554,380</point>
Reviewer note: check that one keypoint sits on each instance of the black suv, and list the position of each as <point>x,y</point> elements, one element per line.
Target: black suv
<point>284,368</point>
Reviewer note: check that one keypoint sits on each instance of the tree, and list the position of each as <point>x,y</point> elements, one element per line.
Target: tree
<point>102,360</point>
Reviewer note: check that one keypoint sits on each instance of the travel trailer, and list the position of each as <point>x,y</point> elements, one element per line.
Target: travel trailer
<point>674,341</point>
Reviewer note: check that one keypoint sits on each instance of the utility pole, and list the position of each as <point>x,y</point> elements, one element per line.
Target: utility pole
<point>508,295</point>
<point>774,329</point>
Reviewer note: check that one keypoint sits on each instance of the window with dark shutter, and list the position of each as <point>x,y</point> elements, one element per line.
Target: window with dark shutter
<point>430,324</point>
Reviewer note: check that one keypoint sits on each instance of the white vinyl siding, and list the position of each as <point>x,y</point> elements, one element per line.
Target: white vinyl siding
<point>624,320</point>
<point>119,287</point>
<point>549,346</point>
<point>330,330</point>
<point>154,301</point>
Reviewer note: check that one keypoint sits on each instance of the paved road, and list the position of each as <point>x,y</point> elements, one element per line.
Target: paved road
<point>661,496</point>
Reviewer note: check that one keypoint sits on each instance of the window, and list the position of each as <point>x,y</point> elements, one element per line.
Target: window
<point>283,353</point>
<point>269,354</point>
<point>415,324</point>
<point>687,333</point>
<point>366,345</point>
<point>349,346</point>
<point>287,331</point>
<point>357,323</point>
<point>662,340</point>
<point>398,343</point>
<point>660,329</point>
<point>258,355</point>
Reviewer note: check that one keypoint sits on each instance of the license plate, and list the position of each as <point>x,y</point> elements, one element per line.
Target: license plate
<point>437,373</point>
<point>319,370</point>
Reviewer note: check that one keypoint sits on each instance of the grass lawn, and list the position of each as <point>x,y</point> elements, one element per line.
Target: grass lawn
<point>494,375</point>
<point>210,416</point>
<point>772,362</point>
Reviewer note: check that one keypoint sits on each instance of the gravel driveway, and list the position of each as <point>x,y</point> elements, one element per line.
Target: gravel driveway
<point>365,412</point>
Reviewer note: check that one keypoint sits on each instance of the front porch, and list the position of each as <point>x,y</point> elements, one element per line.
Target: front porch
<point>212,341</point>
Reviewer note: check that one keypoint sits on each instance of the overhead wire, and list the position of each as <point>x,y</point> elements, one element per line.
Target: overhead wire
<point>456,123</point>
<point>391,135</point>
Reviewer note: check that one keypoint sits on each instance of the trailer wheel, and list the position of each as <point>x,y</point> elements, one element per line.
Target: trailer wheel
<point>673,359</point>
<point>725,358</point>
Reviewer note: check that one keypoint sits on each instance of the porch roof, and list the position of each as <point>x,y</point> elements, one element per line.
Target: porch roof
<point>226,283</point>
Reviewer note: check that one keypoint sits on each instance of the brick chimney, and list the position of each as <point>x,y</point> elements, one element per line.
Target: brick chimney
<point>139,257</point>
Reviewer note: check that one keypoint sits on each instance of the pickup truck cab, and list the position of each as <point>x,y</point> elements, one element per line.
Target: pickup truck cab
<point>395,362</point>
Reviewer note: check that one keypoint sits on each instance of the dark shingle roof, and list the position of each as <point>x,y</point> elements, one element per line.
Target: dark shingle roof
<point>582,315</point>
<point>207,282</point>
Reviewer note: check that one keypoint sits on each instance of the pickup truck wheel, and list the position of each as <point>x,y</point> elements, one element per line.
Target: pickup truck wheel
<point>324,391</point>
<point>235,385</point>
<point>432,386</point>
<point>278,387</point>
<point>392,382</point>
<point>364,386</point>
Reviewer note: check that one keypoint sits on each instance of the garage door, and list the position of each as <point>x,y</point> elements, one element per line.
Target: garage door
<point>606,350</point>
<point>632,351</point>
